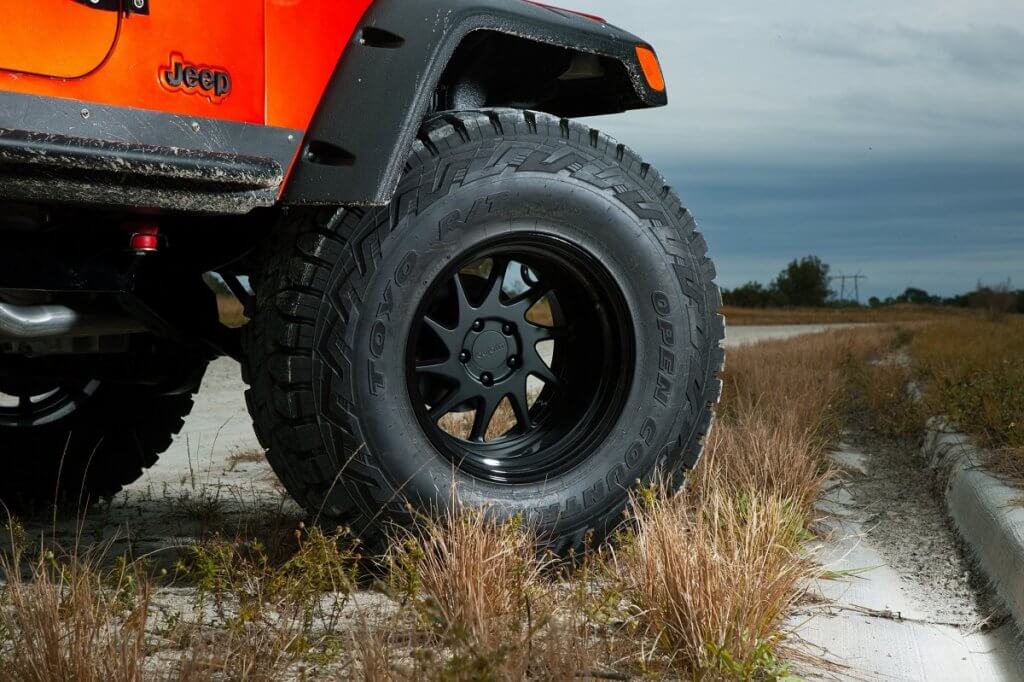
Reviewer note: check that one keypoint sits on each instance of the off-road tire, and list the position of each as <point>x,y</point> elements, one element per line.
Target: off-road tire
<point>102,446</point>
<point>338,287</point>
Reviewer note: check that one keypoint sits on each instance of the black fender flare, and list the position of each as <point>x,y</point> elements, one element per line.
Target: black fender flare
<point>388,78</point>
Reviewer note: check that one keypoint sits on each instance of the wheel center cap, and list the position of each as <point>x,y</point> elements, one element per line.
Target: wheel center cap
<point>490,350</point>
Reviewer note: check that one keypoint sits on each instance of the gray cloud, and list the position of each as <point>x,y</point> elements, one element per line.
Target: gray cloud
<point>884,136</point>
<point>989,52</point>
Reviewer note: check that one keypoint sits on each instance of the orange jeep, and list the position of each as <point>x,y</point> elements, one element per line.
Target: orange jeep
<point>450,282</point>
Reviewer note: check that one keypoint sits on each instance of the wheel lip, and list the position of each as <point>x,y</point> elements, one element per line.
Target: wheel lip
<point>589,431</point>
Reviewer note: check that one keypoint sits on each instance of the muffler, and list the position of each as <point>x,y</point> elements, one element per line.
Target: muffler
<point>49,321</point>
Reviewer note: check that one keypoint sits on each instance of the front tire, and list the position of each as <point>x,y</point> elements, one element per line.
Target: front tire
<point>383,338</point>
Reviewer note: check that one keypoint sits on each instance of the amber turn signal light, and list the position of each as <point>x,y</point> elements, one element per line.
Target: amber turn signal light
<point>652,68</point>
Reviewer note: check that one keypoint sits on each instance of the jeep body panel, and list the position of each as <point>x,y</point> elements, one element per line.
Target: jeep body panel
<point>227,107</point>
<point>78,37</point>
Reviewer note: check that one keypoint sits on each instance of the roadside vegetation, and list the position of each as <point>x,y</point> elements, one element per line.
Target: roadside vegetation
<point>974,375</point>
<point>696,585</point>
<point>967,370</point>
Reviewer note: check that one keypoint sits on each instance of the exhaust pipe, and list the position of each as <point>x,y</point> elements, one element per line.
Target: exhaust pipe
<point>32,322</point>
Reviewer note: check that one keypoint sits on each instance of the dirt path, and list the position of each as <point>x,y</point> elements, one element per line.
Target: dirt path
<point>904,602</point>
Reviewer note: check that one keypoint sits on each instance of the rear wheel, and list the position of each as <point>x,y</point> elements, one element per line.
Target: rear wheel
<point>532,321</point>
<point>76,440</point>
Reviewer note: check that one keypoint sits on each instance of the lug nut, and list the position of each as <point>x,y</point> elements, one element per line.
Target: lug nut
<point>478,325</point>
<point>465,356</point>
<point>507,328</point>
<point>487,379</point>
<point>513,361</point>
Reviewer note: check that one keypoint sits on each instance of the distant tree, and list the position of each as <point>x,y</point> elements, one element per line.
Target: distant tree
<point>874,302</point>
<point>804,282</point>
<point>958,301</point>
<point>996,301</point>
<point>749,295</point>
<point>917,296</point>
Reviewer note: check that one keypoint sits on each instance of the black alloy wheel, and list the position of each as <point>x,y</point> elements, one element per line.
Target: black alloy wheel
<point>529,342</point>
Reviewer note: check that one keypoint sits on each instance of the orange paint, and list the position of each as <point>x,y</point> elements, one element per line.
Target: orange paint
<point>305,38</point>
<point>54,37</point>
<point>278,54</point>
<point>227,33</point>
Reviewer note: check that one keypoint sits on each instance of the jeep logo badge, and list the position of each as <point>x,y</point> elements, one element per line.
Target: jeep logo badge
<point>206,81</point>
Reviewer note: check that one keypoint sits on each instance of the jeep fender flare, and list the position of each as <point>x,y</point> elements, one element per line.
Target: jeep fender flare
<point>409,57</point>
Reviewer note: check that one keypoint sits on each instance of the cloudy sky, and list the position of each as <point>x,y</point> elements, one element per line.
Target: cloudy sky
<point>886,137</point>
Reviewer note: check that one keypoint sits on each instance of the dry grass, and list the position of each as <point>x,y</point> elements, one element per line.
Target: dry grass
<point>974,374</point>
<point>254,456</point>
<point>883,392</point>
<point>698,587</point>
<point>477,588</point>
<point>72,620</point>
<point>782,409</point>
<point>715,581</point>
<point>231,311</point>
<point>888,315</point>
<point>472,579</point>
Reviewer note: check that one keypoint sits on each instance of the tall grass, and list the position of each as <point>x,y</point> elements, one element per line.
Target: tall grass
<point>473,581</point>
<point>715,581</point>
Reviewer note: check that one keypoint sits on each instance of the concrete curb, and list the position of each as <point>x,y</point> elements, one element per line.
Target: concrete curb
<point>985,511</point>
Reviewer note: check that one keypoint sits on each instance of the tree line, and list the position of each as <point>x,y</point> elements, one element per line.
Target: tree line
<point>805,282</point>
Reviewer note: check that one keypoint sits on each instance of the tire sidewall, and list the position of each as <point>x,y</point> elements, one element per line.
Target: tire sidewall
<point>400,267</point>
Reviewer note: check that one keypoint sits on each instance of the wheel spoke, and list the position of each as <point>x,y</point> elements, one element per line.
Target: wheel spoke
<point>521,405</point>
<point>534,334</point>
<point>535,365</point>
<point>492,302</point>
<point>531,296</point>
<point>455,397</point>
<point>463,298</point>
<point>553,333</point>
<point>485,410</point>
<point>447,336</point>
<point>443,368</point>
